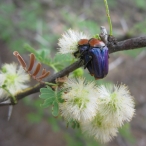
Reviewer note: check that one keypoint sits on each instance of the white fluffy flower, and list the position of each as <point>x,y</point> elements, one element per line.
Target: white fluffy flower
<point>100,131</point>
<point>80,101</point>
<point>68,42</point>
<point>115,104</point>
<point>13,77</point>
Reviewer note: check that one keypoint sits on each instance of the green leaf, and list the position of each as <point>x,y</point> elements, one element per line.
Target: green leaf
<point>61,60</point>
<point>49,88</point>
<point>41,55</point>
<point>44,90</point>
<point>51,98</point>
<point>30,49</point>
<point>48,102</point>
<point>44,53</point>
<point>47,93</point>
<point>60,100</point>
<point>44,95</point>
<point>55,109</point>
<point>59,94</point>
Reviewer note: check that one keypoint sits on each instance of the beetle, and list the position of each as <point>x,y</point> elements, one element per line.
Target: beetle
<point>94,53</point>
<point>99,54</point>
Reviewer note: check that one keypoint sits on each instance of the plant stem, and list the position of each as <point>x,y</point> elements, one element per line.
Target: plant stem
<point>108,16</point>
<point>50,84</point>
<point>129,44</point>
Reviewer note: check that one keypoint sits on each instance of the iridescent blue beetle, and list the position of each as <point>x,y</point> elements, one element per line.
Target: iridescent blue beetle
<point>95,55</point>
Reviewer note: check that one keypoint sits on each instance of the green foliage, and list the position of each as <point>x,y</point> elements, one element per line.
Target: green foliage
<point>9,25</point>
<point>78,73</point>
<point>58,62</point>
<point>18,26</point>
<point>77,139</point>
<point>38,114</point>
<point>15,34</point>
<point>55,109</point>
<point>51,98</point>
<point>42,55</point>
<point>62,60</point>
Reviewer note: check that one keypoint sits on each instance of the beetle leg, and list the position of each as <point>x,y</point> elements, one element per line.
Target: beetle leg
<point>76,54</point>
<point>82,54</point>
<point>90,58</point>
<point>81,62</point>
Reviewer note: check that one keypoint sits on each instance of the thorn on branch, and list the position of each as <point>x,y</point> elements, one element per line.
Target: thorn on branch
<point>37,69</point>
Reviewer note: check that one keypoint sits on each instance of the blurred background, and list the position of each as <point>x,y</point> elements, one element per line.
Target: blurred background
<point>40,23</point>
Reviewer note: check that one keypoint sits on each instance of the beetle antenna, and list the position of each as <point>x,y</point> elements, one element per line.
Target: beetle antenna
<point>108,16</point>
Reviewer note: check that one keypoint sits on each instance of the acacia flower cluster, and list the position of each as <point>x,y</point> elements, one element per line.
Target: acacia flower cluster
<point>13,78</point>
<point>99,110</point>
<point>80,102</point>
<point>68,42</point>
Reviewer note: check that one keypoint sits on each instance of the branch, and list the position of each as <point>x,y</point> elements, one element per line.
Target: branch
<point>129,44</point>
<point>37,87</point>
<point>133,43</point>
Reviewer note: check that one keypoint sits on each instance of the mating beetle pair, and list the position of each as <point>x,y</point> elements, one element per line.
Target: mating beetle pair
<point>94,53</point>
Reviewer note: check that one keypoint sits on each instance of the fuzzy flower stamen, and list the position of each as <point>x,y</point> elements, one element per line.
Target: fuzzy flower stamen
<point>116,104</point>
<point>99,130</point>
<point>68,42</point>
<point>13,78</point>
<point>80,101</point>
